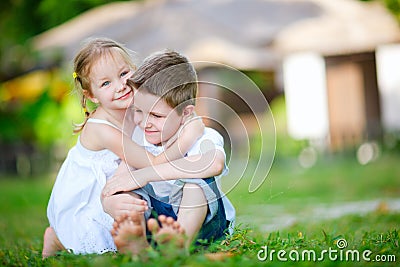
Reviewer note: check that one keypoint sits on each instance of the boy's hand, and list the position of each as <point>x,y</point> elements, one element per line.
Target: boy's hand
<point>119,204</point>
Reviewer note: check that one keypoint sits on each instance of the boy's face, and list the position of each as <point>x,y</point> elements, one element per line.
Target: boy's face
<point>155,117</point>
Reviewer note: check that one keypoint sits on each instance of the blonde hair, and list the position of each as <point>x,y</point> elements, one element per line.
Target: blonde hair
<point>91,51</point>
<point>169,75</point>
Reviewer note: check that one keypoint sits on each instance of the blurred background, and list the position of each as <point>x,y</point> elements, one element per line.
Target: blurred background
<point>329,71</point>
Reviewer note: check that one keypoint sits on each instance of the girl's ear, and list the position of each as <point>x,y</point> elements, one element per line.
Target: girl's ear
<point>187,113</point>
<point>89,96</point>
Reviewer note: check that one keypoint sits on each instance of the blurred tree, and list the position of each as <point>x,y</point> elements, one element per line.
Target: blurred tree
<point>392,5</point>
<point>22,19</point>
<point>55,12</point>
<point>37,111</point>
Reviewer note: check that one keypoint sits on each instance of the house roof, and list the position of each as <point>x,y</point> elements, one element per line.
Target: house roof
<point>345,26</point>
<point>250,34</point>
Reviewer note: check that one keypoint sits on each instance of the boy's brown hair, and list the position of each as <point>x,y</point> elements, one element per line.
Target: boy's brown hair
<point>169,75</point>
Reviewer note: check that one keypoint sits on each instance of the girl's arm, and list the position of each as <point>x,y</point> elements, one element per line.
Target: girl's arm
<point>204,165</point>
<point>178,145</point>
<point>136,156</point>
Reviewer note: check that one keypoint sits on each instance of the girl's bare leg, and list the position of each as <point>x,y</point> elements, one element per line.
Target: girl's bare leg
<point>51,243</point>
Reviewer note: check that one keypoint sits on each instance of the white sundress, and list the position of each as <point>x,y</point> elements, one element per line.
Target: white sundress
<point>74,209</point>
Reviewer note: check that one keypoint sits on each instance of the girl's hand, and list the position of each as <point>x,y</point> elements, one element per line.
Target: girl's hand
<point>190,131</point>
<point>193,126</point>
<point>117,205</point>
<point>122,181</point>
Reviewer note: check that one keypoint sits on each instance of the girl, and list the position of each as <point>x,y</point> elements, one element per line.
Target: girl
<point>77,220</point>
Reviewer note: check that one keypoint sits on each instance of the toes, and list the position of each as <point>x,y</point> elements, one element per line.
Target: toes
<point>175,224</point>
<point>152,224</point>
<point>166,221</point>
<point>181,230</point>
<point>135,217</point>
<point>162,218</point>
<point>170,221</point>
<point>114,232</point>
<point>120,218</point>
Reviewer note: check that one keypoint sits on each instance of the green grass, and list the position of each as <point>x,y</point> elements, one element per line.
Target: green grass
<point>289,187</point>
<point>333,180</point>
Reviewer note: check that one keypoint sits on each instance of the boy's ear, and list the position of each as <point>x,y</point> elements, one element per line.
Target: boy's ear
<point>187,113</point>
<point>89,96</point>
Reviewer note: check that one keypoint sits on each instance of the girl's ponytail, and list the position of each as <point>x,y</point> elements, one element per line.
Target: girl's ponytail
<point>78,84</point>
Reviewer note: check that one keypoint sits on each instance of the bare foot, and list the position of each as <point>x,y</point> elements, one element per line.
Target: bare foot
<point>51,243</point>
<point>129,233</point>
<point>170,232</point>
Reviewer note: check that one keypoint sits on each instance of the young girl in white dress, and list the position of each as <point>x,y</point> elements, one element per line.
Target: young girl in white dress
<point>77,220</point>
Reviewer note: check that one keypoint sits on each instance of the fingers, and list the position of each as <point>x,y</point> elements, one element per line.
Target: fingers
<point>140,208</point>
<point>110,188</point>
<point>130,202</point>
<point>138,201</point>
<point>118,213</point>
<point>106,192</point>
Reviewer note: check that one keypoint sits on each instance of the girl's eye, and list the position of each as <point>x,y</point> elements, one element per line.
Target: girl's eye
<point>105,83</point>
<point>137,110</point>
<point>124,73</point>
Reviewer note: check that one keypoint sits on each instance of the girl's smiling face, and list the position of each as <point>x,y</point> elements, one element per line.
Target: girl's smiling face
<point>108,76</point>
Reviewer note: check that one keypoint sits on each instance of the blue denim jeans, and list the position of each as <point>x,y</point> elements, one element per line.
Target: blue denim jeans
<point>213,230</point>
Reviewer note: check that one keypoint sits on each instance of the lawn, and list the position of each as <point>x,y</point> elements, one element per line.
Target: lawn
<point>291,197</point>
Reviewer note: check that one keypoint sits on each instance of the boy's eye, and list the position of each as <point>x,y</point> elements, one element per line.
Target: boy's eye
<point>137,110</point>
<point>157,116</point>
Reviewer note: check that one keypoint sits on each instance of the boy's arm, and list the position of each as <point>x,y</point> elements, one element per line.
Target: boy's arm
<point>208,164</point>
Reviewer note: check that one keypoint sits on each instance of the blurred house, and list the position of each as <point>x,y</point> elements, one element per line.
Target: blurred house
<point>320,53</point>
<point>331,69</point>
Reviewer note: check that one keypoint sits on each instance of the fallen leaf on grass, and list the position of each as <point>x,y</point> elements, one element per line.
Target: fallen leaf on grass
<point>219,256</point>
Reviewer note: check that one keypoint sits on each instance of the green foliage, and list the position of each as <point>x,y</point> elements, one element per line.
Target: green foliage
<point>21,20</point>
<point>394,7</point>
<point>43,122</point>
<point>37,124</point>
<point>56,12</point>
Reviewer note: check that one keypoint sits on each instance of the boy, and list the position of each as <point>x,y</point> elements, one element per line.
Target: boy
<point>166,88</point>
